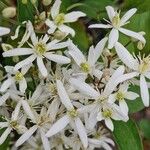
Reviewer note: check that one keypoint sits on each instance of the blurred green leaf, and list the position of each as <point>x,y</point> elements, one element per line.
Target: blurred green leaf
<point>95,9</point>
<point>145,127</point>
<point>141,5</point>
<point>127,136</point>
<point>25,11</point>
<point>81,37</point>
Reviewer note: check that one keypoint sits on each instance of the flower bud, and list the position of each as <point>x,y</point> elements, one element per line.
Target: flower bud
<point>46,2</point>
<point>24,1</point>
<point>140,45</point>
<point>9,12</point>
<point>59,35</point>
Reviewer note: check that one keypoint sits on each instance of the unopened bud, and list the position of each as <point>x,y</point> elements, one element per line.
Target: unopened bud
<point>33,1</point>
<point>46,2</point>
<point>9,12</point>
<point>59,35</point>
<point>15,59</point>
<point>24,1</point>
<point>6,47</point>
<point>140,45</point>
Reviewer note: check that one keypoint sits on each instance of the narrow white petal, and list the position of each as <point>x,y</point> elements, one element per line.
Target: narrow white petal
<point>94,53</point>
<point>28,110</point>
<point>5,135</point>
<point>67,30</point>
<point>42,67</point>
<point>51,25</point>
<point>128,15</point>
<point>3,98</point>
<point>58,126</point>
<point>26,135</point>
<point>97,73</point>
<point>26,61</point>
<point>92,120</point>
<point>4,124</point>
<point>75,53</point>
<point>16,112</point>
<point>113,38</point>
<point>109,124</point>
<point>111,12</point>
<point>100,26</point>
<point>18,52</point>
<point>133,34</point>
<point>99,116</point>
<point>6,84</point>
<point>55,8</point>
<point>84,88</point>
<point>112,98</point>
<point>147,75</point>
<point>131,95</point>
<point>125,56</point>
<point>81,132</point>
<point>4,31</point>
<point>63,95</point>
<point>57,58</point>
<point>144,91</point>
<point>111,84</point>
<point>23,85</point>
<point>124,107</point>
<point>57,45</point>
<point>74,16</point>
<point>51,44</point>
<point>45,141</point>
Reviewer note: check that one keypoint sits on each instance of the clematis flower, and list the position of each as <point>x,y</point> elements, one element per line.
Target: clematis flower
<point>72,116</point>
<point>4,31</point>
<point>121,95</point>
<point>101,99</point>
<point>39,50</point>
<point>15,77</point>
<point>116,24</point>
<point>88,66</point>
<point>58,19</point>
<point>139,65</point>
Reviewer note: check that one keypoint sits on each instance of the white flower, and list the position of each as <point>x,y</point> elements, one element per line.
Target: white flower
<point>141,66</point>
<point>88,66</point>
<point>15,77</point>
<point>117,25</point>
<point>4,31</point>
<point>39,50</point>
<point>70,117</point>
<point>12,124</point>
<point>41,123</point>
<point>58,19</point>
<point>101,99</point>
<point>121,95</point>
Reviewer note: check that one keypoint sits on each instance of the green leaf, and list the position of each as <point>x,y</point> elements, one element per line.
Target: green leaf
<point>141,5</point>
<point>95,8</point>
<point>127,136</point>
<point>25,11</point>
<point>145,127</point>
<point>81,37</point>
<point>140,22</point>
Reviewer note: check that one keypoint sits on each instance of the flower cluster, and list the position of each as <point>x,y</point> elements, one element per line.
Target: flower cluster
<point>57,97</point>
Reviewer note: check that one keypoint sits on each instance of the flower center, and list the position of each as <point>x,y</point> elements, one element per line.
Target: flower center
<point>14,124</point>
<point>85,67</point>
<point>144,65</point>
<point>40,48</point>
<point>102,99</point>
<point>120,96</point>
<point>52,88</point>
<point>18,76</point>
<point>107,113</point>
<point>72,113</point>
<point>116,21</point>
<point>59,20</point>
